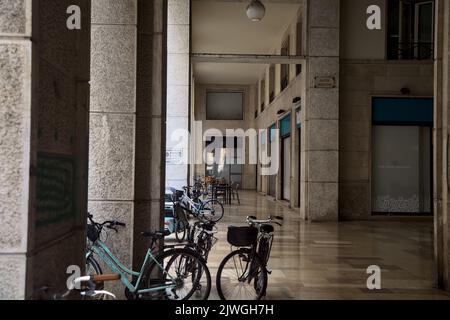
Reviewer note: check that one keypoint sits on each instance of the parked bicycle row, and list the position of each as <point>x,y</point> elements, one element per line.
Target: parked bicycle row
<point>180,271</point>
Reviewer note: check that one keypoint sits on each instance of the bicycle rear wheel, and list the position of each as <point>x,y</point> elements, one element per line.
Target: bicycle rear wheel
<point>213,210</point>
<point>241,276</point>
<point>184,271</point>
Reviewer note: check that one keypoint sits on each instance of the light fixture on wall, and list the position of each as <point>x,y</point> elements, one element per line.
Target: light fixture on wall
<point>405,91</point>
<point>256,11</point>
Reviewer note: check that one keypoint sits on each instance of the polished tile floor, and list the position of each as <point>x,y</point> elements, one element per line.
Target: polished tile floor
<point>329,260</point>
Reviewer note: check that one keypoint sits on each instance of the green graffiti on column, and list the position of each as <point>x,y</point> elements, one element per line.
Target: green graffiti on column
<point>55,189</point>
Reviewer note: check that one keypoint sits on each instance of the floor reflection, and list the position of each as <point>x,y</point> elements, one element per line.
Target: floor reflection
<point>330,260</point>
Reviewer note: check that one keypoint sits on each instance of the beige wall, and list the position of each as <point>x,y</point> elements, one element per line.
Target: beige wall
<point>270,116</point>
<point>290,32</point>
<point>358,42</point>
<point>283,100</point>
<point>249,171</point>
<point>360,80</point>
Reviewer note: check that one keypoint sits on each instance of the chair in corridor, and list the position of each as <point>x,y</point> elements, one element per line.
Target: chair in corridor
<point>235,191</point>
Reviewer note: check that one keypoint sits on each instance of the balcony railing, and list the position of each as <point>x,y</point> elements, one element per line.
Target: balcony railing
<point>411,51</point>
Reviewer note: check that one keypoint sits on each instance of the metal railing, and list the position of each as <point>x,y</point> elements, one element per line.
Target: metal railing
<point>411,50</point>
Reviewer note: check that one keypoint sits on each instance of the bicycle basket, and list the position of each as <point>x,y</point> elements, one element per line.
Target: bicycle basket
<point>242,236</point>
<point>92,233</point>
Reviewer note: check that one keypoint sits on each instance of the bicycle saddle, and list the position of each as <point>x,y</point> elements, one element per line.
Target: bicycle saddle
<point>156,234</point>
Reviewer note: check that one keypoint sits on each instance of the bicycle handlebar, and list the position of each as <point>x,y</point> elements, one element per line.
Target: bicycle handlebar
<point>269,220</point>
<point>110,224</point>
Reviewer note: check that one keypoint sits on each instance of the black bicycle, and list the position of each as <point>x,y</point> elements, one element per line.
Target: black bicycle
<point>201,238</point>
<point>243,274</point>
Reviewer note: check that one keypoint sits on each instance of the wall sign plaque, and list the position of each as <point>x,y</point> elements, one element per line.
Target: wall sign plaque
<point>174,156</point>
<point>323,82</point>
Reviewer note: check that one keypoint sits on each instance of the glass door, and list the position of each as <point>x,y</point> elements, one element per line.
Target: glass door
<point>286,181</point>
<point>299,174</point>
<point>272,178</point>
<point>218,161</point>
<point>402,155</point>
<point>402,169</point>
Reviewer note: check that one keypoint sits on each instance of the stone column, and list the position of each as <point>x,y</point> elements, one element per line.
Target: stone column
<point>441,141</point>
<point>178,75</point>
<point>150,123</point>
<point>113,118</point>
<point>321,153</point>
<point>15,127</point>
<point>44,85</point>
<point>128,115</point>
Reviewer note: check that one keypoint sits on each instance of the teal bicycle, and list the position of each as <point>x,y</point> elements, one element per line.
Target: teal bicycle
<point>173,274</point>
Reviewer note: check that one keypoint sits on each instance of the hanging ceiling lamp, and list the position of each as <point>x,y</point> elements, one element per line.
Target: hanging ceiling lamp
<point>256,11</point>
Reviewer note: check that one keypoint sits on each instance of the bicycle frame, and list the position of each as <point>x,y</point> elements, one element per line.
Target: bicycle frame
<point>268,247</point>
<point>250,267</point>
<point>254,252</point>
<point>102,251</point>
<point>196,207</point>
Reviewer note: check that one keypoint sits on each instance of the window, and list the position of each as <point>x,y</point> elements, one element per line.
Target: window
<point>298,67</point>
<point>224,106</point>
<point>225,161</point>
<point>284,80</point>
<point>410,30</point>
<point>262,92</point>
<point>271,83</point>
<point>256,101</point>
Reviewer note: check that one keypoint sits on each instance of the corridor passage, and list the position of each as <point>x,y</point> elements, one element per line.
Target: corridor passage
<point>329,260</point>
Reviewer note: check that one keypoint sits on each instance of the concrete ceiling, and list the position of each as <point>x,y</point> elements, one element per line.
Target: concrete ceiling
<point>227,73</point>
<point>222,26</point>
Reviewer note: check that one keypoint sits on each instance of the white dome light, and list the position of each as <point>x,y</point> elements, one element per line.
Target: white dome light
<point>256,11</point>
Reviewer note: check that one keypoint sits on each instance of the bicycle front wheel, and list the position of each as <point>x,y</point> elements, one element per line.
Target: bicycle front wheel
<point>184,276</point>
<point>213,210</point>
<point>93,269</point>
<point>241,276</point>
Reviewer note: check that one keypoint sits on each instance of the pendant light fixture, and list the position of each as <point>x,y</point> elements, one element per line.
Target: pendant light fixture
<point>256,11</point>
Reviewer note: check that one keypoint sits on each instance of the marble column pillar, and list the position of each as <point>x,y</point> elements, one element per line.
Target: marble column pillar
<point>128,116</point>
<point>15,126</point>
<point>321,150</point>
<point>178,75</point>
<point>150,123</point>
<point>113,119</point>
<point>44,85</point>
